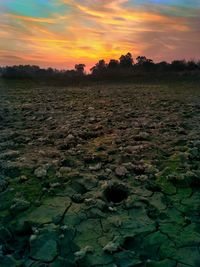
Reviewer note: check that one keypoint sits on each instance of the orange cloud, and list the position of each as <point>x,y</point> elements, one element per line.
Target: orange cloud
<point>92,30</point>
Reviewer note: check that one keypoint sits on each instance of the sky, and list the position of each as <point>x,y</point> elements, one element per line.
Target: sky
<point>60,33</point>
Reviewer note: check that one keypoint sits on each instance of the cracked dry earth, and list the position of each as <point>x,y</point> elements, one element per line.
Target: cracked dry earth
<point>105,175</point>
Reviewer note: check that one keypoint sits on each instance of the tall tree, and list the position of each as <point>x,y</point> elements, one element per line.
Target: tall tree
<point>126,61</point>
<point>80,68</point>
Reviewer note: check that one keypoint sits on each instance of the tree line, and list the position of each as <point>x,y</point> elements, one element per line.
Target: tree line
<point>123,67</point>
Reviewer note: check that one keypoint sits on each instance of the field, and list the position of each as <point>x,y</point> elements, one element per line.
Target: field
<point>100,175</point>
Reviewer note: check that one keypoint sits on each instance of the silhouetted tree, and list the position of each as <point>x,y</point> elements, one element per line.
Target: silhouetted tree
<point>178,65</point>
<point>141,60</point>
<point>126,61</point>
<point>113,64</point>
<point>124,67</point>
<point>145,64</point>
<point>99,68</point>
<point>80,68</point>
<point>192,65</point>
<point>163,66</point>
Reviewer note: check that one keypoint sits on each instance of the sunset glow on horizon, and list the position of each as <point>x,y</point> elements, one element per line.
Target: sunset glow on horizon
<point>61,33</point>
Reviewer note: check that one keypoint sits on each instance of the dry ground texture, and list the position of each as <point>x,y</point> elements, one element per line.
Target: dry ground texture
<point>104,175</point>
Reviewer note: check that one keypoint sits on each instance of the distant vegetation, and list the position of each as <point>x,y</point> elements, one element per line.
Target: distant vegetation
<point>114,69</point>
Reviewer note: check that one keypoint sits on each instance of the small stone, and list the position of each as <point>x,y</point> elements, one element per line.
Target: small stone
<point>92,119</point>
<point>55,185</point>
<point>23,178</point>
<point>113,209</point>
<point>121,171</point>
<point>90,201</point>
<point>70,137</point>
<point>40,172</point>
<point>77,198</point>
<point>95,167</point>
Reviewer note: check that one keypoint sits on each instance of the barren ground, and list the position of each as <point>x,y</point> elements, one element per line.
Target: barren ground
<point>104,175</point>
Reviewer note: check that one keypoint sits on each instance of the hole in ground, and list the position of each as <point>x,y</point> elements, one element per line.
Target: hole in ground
<point>116,193</point>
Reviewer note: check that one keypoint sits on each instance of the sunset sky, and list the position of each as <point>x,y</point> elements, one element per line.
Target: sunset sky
<point>60,33</point>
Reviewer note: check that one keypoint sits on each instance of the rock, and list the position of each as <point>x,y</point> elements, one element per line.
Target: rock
<point>77,198</point>
<point>112,209</point>
<point>40,172</point>
<point>95,167</point>
<point>23,178</point>
<point>121,171</point>
<point>92,119</point>
<point>70,137</point>
<point>90,201</point>
<point>55,185</point>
